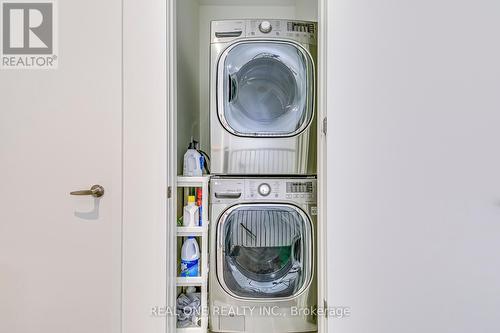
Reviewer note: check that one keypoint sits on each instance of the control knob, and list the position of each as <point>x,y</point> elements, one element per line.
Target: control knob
<point>265,27</point>
<point>264,189</point>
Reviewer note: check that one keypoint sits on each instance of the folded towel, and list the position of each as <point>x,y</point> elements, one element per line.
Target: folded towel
<point>188,309</point>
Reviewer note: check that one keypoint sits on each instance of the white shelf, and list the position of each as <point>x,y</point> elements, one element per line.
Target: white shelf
<point>183,181</point>
<point>192,231</point>
<point>192,329</point>
<point>197,281</point>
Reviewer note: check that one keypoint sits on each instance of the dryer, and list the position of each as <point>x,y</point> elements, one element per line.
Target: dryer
<point>262,258</point>
<point>262,97</point>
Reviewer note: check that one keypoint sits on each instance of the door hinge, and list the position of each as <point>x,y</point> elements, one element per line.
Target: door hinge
<point>169,192</point>
<point>325,127</point>
<point>325,308</point>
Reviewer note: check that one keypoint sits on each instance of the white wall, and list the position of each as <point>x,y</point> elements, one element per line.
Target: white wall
<point>212,12</point>
<point>306,10</point>
<point>414,165</point>
<point>188,117</point>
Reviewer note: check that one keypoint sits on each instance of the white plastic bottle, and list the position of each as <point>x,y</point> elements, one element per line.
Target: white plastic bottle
<point>193,162</point>
<point>191,216</point>
<point>190,290</point>
<point>190,258</point>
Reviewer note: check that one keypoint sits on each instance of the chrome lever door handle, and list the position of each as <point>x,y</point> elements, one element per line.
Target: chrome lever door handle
<point>95,191</point>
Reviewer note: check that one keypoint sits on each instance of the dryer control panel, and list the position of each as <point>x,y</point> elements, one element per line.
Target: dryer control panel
<point>300,31</point>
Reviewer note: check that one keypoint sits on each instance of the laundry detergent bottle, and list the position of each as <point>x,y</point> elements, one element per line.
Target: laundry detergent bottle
<point>191,218</point>
<point>190,258</point>
<point>193,162</point>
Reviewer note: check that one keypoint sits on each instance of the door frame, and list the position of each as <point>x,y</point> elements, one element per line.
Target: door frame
<point>321,88</point>
<point>171,297</point>
<point>147,94</point>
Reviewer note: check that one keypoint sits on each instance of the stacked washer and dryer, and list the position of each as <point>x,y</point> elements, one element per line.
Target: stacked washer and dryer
<point>263,188</point>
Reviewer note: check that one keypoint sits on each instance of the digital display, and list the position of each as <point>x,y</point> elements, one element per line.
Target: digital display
<point>301,27</point>
<point>299,187</point>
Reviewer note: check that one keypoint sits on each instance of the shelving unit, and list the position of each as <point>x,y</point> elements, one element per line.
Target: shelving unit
<point>201,232</point>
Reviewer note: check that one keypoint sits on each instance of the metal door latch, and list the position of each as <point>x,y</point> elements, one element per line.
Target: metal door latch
<point>96,191</point>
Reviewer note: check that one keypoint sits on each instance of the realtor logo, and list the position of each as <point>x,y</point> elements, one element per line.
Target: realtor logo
<point>28,34</point>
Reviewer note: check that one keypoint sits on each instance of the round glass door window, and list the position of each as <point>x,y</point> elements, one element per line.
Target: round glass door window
<point>266,250</point>
<point>265,89</point>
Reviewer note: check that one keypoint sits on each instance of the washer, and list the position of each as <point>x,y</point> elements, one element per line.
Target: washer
<point>262,97</point>
<point>262,257</point>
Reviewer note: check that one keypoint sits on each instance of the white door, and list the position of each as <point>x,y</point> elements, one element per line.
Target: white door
<point>414,165</point>
<point>60,131</point>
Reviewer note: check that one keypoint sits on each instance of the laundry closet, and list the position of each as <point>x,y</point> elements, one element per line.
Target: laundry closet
<point>246,97</point>
<point>403,231</point>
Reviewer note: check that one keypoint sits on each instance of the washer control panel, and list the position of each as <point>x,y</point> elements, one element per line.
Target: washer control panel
<point>299,190</point>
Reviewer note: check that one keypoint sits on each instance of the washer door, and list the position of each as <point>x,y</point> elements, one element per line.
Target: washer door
<point>265,251</point>
<point>265,89</point>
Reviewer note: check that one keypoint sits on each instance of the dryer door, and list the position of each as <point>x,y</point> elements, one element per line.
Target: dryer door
<point>265,251</point>
<point>265,89</point>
